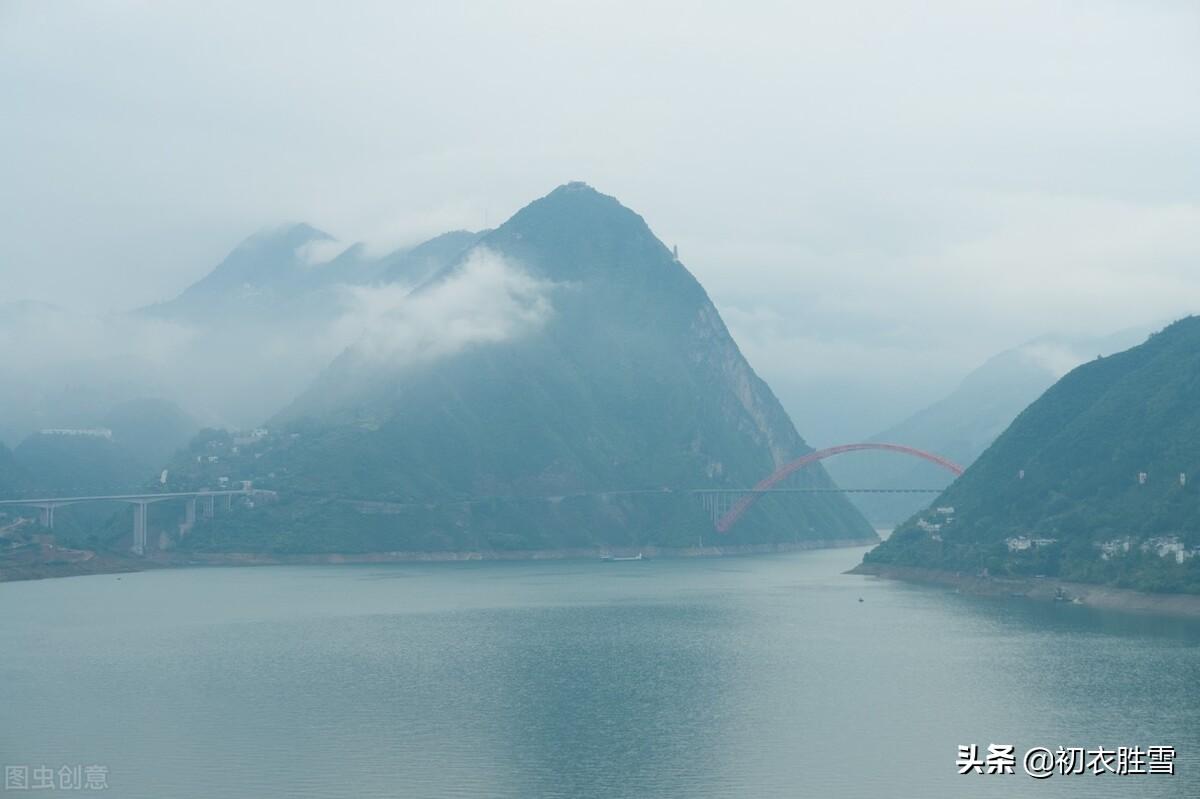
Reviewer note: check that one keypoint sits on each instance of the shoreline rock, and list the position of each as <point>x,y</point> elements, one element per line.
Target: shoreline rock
<point>1043,589</point>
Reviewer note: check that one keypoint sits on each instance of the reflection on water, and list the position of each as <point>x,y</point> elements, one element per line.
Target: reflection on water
<point>762,677</point>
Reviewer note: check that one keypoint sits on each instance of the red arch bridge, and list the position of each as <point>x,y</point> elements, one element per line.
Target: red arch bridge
<point>726,510</point>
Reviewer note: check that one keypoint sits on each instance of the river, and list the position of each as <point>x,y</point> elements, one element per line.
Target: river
<point>737,677</point>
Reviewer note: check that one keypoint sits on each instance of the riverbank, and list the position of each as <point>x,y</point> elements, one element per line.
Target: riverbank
<point>68,563</point>
<point>105,564</point>
<point>1043,589</point>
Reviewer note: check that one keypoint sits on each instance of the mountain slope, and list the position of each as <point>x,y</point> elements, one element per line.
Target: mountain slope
<point>260,272</point>
<point>12,478</point>
<point>150,429</point>
<point>79,465</point>
<point>416,265</point>
<point>610,373</point>
<point>964,423</point>
<point>1068,469</point>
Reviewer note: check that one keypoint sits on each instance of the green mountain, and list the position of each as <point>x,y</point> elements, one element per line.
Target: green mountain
<point>12,477</point>
<point>559,385</point>
<point>143,435</point>
<point>1097,480</point>
<point>150,429</point>
<point>79,465</point>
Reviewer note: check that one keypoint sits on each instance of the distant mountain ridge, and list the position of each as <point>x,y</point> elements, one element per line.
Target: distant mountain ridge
<point>964,423</point>
<point>275,272</point>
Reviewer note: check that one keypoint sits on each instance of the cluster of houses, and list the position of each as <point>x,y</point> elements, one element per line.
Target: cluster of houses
<point>941,517</point>
<point>1170,547</point>
<point>1022,543</point>
<point>239,440</point>
<point>79,432</point>
<point>251,437</point>
<point>1163,546</point>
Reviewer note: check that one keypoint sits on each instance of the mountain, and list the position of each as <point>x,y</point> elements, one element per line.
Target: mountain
<point>12,478</point>
<point>557,385</point>
<point>294,271</point>
<point>78,464</point>
<point>150,429</point>
<point>102,451</point>
<point>261,273</point>
<point>965,422</point>
<point>1107,459</point>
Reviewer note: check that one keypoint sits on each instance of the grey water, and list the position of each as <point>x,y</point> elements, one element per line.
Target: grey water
<point>737,677</point>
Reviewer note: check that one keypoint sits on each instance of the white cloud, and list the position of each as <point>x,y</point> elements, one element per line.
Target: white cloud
<point>47,341</point>
<point>488,299</point>
<point>319,251</point>
<point>1054,358</point>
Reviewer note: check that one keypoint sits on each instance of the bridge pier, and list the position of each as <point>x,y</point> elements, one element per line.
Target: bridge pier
<point>139,526</point>
<point>189,517</point>
<point>46,515</point>
<point>717,502</point>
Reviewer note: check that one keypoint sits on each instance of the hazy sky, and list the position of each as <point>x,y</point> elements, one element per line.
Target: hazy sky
<point>878,195</point>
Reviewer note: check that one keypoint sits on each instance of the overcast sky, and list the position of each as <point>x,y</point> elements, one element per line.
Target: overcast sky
<point>869,190</point>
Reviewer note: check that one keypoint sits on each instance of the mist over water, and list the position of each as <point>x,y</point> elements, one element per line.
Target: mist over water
<point>755,676</point>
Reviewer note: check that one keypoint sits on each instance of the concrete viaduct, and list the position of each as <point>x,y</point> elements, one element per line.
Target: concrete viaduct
<point>206,500</point>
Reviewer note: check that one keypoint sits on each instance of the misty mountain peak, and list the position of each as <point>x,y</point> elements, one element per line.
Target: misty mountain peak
<point>272,261</point>
<point>283,238</point>
<point>267,257</point>
<point>575,232</point>
<point>566,350</point>
<point>579,202</point>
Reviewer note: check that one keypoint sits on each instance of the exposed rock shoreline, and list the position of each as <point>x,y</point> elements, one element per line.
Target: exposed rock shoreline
<point>44,569</point>
<point>1043,589</point>
<point>104,565</point>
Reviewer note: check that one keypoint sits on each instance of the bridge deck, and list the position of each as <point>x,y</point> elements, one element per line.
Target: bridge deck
<point>129,497</point>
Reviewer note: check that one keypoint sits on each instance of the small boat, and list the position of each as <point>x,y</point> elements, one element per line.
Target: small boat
<point>638,556</point>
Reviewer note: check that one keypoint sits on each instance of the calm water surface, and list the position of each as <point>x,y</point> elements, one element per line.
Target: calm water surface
<point>741,677</point>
